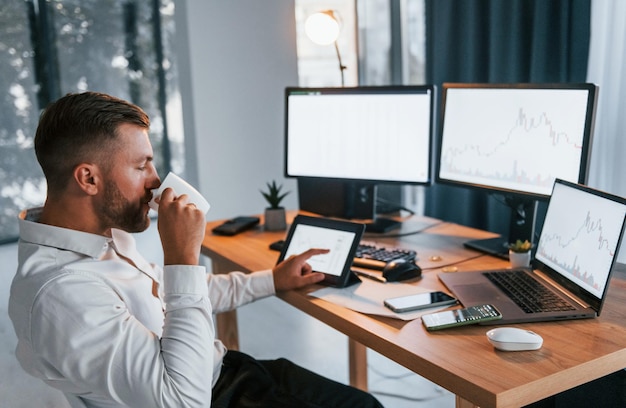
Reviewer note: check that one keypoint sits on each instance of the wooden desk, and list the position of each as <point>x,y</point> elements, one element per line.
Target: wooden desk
<point>460,360</point>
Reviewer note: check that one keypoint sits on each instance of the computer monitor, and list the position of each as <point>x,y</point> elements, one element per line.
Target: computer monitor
<point>342,142</point>
<point>515,140</point>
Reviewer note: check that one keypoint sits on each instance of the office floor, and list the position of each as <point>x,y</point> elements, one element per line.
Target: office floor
<point>268,328</point>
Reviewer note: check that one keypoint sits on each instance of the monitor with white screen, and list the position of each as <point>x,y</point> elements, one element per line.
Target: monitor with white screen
<point>515,140</point>
<point>358,137</point>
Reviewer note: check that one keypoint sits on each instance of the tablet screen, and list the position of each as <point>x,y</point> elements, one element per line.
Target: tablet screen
<point>340,237</point>
<point>338,242</point>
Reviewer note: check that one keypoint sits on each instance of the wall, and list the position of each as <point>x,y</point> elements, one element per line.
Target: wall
<point>240,56</point>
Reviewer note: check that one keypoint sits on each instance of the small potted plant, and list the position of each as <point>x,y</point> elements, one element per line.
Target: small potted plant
<point>275,218</point>
<point>519,253</point>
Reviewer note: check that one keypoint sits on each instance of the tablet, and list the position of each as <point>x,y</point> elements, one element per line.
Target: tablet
<point>340,237</point>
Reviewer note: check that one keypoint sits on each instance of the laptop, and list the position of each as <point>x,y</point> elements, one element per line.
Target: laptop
<point>575,255</point>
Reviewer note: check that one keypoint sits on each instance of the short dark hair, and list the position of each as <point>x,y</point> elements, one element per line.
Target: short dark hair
<point>80,127</point>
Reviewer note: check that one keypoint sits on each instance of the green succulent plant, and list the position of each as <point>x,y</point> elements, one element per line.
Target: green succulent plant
<point>273,195</point>
<point>520,246</point>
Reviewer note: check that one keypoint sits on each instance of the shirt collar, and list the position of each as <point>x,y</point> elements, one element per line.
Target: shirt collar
<point>80,242</point>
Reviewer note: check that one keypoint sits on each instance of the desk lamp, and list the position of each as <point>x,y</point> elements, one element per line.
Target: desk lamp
<point>323,29</point>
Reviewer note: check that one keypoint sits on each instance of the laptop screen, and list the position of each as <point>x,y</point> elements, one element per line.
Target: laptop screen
<point>581,235</point>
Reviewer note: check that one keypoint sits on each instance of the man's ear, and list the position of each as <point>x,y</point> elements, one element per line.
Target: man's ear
<point>87,176</point>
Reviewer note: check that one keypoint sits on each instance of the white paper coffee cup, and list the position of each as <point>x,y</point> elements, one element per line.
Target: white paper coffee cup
<point>180,187</point>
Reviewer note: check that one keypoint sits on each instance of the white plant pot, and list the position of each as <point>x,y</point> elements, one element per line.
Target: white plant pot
<point>519,259</point>
<point>275,219</point>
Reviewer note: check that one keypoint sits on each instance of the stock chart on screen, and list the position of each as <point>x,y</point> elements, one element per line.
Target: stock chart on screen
<point>580,237</point>
<point>519,143</point>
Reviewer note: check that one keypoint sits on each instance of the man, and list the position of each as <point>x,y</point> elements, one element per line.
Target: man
<point>97,321</point>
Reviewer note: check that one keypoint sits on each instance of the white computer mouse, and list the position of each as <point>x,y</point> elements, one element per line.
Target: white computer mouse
<point>514,339</point>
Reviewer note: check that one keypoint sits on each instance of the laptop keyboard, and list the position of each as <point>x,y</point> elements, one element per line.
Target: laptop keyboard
<point>527,292</point>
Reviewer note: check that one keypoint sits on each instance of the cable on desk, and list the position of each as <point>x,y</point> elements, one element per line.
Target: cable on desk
<point>454,263</point>
<point>413,232</point>
<point>395,205</point>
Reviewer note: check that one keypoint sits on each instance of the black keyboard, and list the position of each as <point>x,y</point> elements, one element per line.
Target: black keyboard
<point>527,292</point>
<point>375,256</point>
<point>370,255</point>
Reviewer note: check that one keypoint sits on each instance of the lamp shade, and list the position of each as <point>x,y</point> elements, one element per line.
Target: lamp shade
<point>322,27</point>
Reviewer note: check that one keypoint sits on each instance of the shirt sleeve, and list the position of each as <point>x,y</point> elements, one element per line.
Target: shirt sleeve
<point>90,340</point>
<point>231,290</point>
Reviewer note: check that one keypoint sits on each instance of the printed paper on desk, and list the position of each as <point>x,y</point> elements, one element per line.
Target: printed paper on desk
<point>368,296</point>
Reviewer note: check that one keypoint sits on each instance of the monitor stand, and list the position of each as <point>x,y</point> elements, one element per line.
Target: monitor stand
<point>522,226</point>
<point>361,205</point>
<point>350,200</point>
<point>382,225</point>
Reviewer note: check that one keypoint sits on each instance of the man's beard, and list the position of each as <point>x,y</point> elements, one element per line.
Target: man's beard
<point>117,212</point>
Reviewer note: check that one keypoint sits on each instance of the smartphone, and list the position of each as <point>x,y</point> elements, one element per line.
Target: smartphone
<point>461,317</point>
<point>419,301</point>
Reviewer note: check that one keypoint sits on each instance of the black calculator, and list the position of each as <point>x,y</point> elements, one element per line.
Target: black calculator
<point>461,317</point>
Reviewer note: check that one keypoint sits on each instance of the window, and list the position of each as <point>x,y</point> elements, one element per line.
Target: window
<point>381,42</point>
<point>318,65</point>
<point>51,47</point>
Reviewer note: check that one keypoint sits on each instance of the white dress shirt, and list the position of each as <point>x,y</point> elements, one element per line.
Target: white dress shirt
<point>94,319</point>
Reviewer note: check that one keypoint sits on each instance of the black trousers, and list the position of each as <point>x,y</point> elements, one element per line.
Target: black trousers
<point>249,383</point>
<point>605,392</point>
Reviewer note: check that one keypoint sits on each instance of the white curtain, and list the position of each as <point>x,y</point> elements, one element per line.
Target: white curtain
<point>607,68</point>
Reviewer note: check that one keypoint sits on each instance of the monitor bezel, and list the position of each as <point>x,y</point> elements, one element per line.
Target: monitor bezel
<point>390,89</point>
<point>587,140</point>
